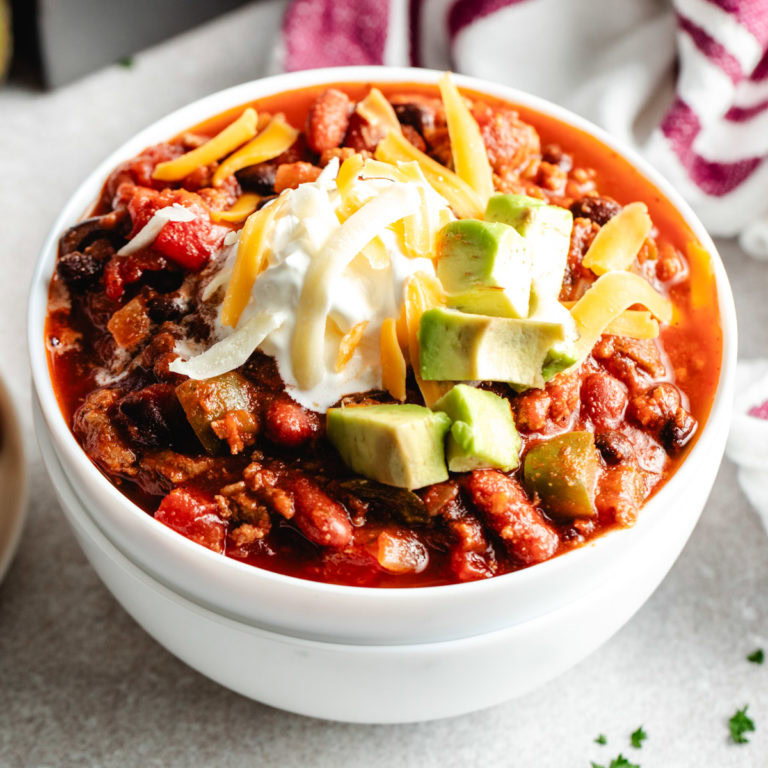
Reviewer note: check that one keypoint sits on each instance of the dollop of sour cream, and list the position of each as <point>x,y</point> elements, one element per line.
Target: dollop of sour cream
<point>363,293</point>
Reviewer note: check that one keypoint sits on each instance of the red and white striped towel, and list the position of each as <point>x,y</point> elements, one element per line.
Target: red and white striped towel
<point>685,82</point>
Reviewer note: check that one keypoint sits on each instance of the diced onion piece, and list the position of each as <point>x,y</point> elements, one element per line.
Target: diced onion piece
<point>617,243</point>
<point>636,323</point>
<point>702,277</point>
<point>275,139</point>
<point>423,292</point>
<point>470,158</point>
<point>243,207</point>
<point>228,140</point>
<point>250,261</point>
<point>378,112</point>
<point>606,299</point>
<point>393,367</point>
<point>231,352</point>
<point>149,232</point>
<point>326,267</point>
<point>465,202</point>
<point>348,345</point>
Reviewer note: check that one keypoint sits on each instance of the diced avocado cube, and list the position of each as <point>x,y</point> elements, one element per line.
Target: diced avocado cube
<point>562,472</point>
<point>400,445</point>
<point>547,231</point>
<point>483,433</point>
<point>456,346</point>
<point>206,400</point>
<point>484,267</point>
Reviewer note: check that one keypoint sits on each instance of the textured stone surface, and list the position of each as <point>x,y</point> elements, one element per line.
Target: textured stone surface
<point>82,684</point>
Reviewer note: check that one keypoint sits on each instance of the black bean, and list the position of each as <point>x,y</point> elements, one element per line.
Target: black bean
<point>553,154</point>
<point>149,417</point>
<point>79,270</point>
<point>678,431</point>
<point>258,178</point>
<point>415,115</point>
<point>614,447</point>
<point>167,307</point>
<point>598,209</point>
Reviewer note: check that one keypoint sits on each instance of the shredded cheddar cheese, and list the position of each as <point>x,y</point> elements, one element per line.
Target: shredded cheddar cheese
<point>393,368</point>
<point>243,207</point>
<point>348,344</point>
<point>228,140</point>
<point>251,259</point>
<point>470,158</point>
<point>465,202</point>
<point>605,301</point>
<point>637,323</point>
<point>275,139</point>
<point>378,112</point>
<point>619,240</point>
<point>702,277</point>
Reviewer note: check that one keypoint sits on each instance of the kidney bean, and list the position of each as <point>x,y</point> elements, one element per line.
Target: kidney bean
<point>604,400</point>
<point>327,120</point>
<point>320,518</point>
<point>289,424</point>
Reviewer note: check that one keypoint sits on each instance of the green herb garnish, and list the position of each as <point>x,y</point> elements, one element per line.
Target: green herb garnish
<point>638,737</point>
<point>618,762</point>
<point>126,62</point>
<point>740,724</point>
<point>756,657</point>
<point>601,739</point>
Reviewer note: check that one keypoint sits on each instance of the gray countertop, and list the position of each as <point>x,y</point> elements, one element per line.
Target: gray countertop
<point>82,684</point>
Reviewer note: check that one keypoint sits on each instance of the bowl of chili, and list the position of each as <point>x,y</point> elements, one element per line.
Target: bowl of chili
<point>255,509</point>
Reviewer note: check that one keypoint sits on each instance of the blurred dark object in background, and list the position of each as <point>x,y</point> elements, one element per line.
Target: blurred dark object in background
<point>57,41</point>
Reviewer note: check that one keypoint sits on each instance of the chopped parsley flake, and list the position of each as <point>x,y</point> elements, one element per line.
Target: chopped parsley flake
<point>638,737</point>
<point>601,739</point>
<point>740,724</point>
<point>618,762</point>
<point>756,657</point>
<point>126,62</point>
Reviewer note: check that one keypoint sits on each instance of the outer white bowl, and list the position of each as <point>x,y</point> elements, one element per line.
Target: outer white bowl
<point>246,597</point>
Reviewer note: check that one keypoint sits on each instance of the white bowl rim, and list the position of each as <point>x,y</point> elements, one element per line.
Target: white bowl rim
<point>209,106</point>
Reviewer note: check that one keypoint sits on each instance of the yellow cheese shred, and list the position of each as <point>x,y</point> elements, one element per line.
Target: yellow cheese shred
<point>378,112</point>
<point>470,158</point>
<point>605,301</point>
<point>619,240</point>
<point>348,345</point>
<point>249,262</point>
<point>636,323</point>
<point>702,276</point>
<point>393,368</point>
<point>275,139</point>
<point>224,142</point>
<point>466,203</point>
<point>422,292</point>
<point>243,207</point>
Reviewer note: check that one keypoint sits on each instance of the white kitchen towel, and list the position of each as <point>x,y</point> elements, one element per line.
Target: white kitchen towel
<point>683,81</point>
<point>748,440</point>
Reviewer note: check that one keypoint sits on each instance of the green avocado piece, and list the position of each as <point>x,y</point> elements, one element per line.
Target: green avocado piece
<point>400,445</point>
<point>456,346</point>
<point>562,472</point>
<point>547,231</point>
<point>206,400</point>
<point>484,267</point>
<point>483,433</point>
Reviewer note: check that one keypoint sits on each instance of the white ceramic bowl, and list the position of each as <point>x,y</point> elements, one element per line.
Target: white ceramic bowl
<point>251,599</point>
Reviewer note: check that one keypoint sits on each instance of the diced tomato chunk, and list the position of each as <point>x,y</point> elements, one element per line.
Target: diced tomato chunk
<point>188,243</point>
<point>193,516</point>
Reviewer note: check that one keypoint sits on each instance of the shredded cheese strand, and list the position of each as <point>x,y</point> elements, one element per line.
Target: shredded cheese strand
<point>393,368</point>
<point>242,208</point>
<point>224,142</point>
<point>636,323</point>
<point>466,203</point>
<point>422,292</point>
<point>250,261</point>
<point>470,158</point>
<point>617,243</point>
<point>275,139</point>
<point>703,292</point>
<point>231,352</point>
<point>606,299</point>
<point>348,344</point>
<point>378,112</point>
<point>358,230</point>
<point>149,232</point>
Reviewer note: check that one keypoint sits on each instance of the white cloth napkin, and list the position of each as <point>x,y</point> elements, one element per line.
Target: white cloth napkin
<point>684,81</point>
<point>748,440</point>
